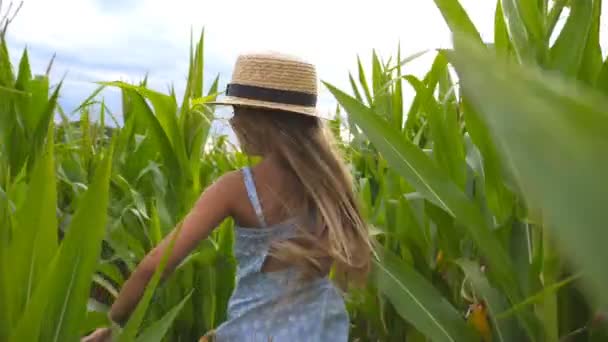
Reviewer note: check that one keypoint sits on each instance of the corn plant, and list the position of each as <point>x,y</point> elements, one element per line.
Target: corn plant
<point>159,170</point>
<point>482,213</point>
<point>129,184</point>
<point>45,283</point>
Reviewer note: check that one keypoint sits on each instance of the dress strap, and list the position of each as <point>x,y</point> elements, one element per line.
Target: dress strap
<point>253,195</point>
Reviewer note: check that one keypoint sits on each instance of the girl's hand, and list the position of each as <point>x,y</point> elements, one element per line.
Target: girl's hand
<point>99,335</point>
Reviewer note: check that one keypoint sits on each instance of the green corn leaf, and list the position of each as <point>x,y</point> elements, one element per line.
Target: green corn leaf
<point>35,235</point>
<point>6,315</point>
<point>6,72</point>
<point>30,324</point>
<point>204,101</point>
<point>59,303</point>
<point>602,80</point>
<point>591,64</point>
<point>155,232</point>
<point>35,111</point>
<point>499,197</point>
<point>457,18</point>
<point>226,262</point>
<point>538,297</point>
<point>25,73</point>
<point>354,87</point>
<point>551,271</point>
<point>501,34</point>
<point>397,95</point>
<point>141,108</point>
<point>199,67</point>
<point>77,260</point>
<point>363,82</point>
<point>214,89</point>
<point>520,37</point>
<point>529,113</point>
<point>567,53</point>
<point>395,148</point>
<point>447,142</point>
<point>85,141</point>
<point>13,91</point>
<point>197,132</point>
<point>554,15</point>
<point>132,326</point>
<point>188,91</point>
<point>37,140</point>
<point>89,100</point>
<point>377,71</point>
<point>382,100</point>
<point>413,114</point>
<point>165,109</point>
<point>534,21</point>
<point>194,85</point>
<point>157,330</point>
<point>435,185</point>
<point>417,301</point>
<point>401,62</point>
<point>34,240</point>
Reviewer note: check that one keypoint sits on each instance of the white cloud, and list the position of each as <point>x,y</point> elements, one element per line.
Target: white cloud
<point>101,40</point>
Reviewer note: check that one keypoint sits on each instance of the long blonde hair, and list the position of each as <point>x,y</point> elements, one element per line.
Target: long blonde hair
<point>305,147</point>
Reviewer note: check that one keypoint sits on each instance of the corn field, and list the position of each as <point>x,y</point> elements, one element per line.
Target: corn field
<point>486,196</point>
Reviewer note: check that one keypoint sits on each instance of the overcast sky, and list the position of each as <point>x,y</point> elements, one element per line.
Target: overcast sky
<point>108,40</point>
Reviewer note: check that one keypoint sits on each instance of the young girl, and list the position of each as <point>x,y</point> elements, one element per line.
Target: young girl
<point>296,213</point>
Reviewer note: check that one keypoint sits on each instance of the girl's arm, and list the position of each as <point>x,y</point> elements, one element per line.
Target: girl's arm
<point>209,211</point>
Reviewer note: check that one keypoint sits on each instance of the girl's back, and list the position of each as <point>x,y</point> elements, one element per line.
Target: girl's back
<point>270,302</point>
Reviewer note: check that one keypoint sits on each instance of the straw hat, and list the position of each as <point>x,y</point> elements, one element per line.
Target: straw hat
<point>273,81</point>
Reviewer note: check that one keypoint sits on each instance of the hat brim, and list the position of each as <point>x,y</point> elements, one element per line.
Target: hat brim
<point>239,101</point>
